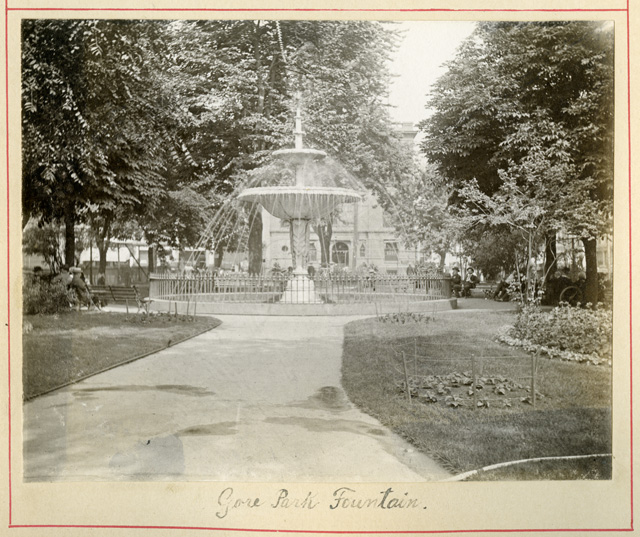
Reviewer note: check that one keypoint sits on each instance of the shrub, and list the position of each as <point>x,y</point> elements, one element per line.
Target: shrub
<point>42,296</point>
<point>577,330</point>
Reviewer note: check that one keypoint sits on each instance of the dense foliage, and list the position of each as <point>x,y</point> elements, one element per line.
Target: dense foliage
<point>420,210</point>
<point>95,131</point>
<point>41,296</point>
<point>153,124</point>
<point>522,130</point>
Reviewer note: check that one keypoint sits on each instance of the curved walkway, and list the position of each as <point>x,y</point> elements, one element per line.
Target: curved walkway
<point>477,304</point>
<point>256,399</point>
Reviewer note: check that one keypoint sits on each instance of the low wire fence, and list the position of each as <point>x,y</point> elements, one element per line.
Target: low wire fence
<point>476,381</point>
<point>331,288</point>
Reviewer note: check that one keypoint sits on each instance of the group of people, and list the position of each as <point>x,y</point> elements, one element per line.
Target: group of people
<point>73,278</point>
<point>508,284</point>
<point>462,287</point>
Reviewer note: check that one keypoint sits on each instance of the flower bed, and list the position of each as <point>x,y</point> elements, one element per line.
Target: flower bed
<point>567,333</point>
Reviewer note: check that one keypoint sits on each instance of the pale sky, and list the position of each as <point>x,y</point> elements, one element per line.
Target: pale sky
<point>418,62</point>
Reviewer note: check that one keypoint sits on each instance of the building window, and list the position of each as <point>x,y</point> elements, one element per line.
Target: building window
<point>313,253</point>
<point>363,251</point>
<point>285,248</point>
<point>340,254</point>
<point>390,251</point>
<point>387,219</point>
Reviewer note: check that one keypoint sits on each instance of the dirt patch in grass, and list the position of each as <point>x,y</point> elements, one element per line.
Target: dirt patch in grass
<point>572,416</point>
<point>62,349</point>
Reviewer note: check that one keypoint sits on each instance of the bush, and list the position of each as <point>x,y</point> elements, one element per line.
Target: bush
<point>577,330</point>
<point>42,296</point>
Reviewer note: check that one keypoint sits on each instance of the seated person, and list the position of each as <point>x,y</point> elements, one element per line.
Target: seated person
<point>469,282</point>
<point>82,288</point>
<point>456,282</point>
<point>79,285</point>
<point>63,276</point>
<point>501,294</point>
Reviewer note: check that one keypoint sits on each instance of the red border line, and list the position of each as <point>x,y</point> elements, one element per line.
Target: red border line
<point>630,260</point>
<point>333,532</point>
<point>6,52</point>
<point>541,530</point>
<point>339,10</point>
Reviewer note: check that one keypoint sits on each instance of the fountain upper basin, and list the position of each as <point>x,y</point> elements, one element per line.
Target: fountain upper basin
<point>299,202</point>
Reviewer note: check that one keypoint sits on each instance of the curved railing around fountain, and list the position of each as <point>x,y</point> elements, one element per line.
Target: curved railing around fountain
<point>269,288</point>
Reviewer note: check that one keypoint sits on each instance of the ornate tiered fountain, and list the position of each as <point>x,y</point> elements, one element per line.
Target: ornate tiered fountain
<point>299,205</point>
<point>314,194</point>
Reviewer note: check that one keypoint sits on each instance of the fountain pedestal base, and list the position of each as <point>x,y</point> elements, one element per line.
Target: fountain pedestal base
<point>300,290</point>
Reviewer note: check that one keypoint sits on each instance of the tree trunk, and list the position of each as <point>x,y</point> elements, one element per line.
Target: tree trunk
<point>324,230</point>
<point>102,263</point>
<point>550,255</point>
<point>443,256</point>
<point>255,242</point>
<point>152,259</point>
<point>103,241</point>
<point>591,261</point>
<point>530,285</point>
<point>219,255</point>
<point>70,235</point>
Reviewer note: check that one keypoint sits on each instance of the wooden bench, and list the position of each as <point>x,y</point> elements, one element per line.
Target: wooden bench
<point>482,290</point>
<point>121,294</point>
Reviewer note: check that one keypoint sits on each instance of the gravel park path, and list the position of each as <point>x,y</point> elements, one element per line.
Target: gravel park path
<point>256,399</point>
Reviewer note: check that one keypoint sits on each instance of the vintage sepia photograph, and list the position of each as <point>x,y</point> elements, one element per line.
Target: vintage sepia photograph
<point>301,250</point>
<point>375,255</point>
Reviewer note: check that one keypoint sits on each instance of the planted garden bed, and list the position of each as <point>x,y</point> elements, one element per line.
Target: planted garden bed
<point>572,415</point>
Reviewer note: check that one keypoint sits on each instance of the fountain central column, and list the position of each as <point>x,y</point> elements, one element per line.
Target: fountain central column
<point>300,288</point>
<point>300,244</point>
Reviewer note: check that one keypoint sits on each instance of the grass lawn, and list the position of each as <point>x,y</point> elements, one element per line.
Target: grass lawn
<point>572,418</point>
<point>65,348</point>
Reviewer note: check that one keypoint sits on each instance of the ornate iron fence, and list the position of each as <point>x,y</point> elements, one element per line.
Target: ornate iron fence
<point>269,288</point>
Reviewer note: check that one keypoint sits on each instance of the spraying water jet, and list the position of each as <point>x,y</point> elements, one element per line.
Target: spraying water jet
<point>299,205</point>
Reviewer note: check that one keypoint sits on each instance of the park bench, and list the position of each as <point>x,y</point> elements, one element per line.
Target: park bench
<point>121,294</point>
<point>482,290</point>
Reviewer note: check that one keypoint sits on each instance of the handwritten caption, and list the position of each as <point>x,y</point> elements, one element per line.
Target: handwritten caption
<point>342,498</point>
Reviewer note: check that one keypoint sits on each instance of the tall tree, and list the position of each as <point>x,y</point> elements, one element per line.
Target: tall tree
<point>92,140</point>
<point>230,78</point>
<point>524,98</point>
